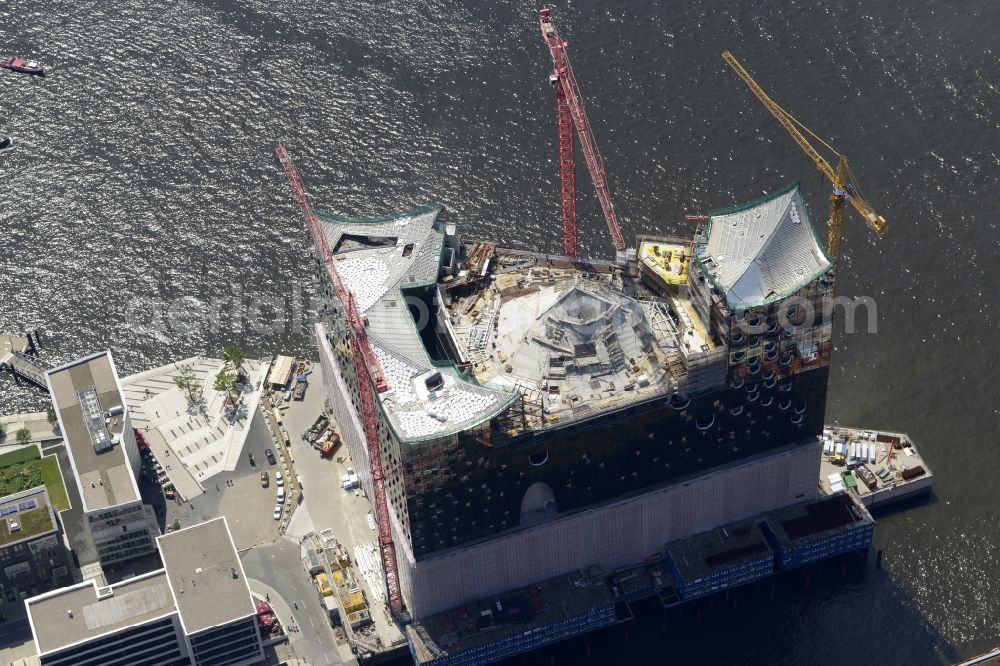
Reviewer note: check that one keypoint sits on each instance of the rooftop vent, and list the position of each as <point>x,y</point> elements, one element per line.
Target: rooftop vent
<point>434,381</point>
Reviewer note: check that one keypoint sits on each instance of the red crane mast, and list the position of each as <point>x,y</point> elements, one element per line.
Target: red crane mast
<point>369,373</point>
<point>570,112</point>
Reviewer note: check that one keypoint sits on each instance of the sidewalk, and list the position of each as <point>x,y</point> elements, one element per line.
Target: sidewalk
<point>36,422</point>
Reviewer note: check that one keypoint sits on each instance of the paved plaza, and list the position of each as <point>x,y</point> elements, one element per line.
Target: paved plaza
<point>194,441</point>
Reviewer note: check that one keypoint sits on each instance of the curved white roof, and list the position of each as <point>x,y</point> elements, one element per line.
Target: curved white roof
<point>378,259</point>
<point>764,251</point>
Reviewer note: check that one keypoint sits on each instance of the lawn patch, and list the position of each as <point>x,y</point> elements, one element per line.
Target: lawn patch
<point>32,522</point>
<point>52,478</point>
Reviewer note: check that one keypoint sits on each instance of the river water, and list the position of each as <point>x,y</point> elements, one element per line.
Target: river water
<point>144,181</point>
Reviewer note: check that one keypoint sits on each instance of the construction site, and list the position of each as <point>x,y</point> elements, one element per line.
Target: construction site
<point>543,438</point>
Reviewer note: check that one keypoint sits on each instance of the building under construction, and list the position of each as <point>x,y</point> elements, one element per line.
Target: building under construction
<point>539,414</point>
<point>530,426</point>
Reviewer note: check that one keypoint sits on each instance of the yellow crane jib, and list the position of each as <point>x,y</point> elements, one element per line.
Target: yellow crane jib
<point>845,188</point>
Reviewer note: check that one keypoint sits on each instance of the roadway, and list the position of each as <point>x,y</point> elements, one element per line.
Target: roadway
<point>279,567</point>
<point>328,505</point>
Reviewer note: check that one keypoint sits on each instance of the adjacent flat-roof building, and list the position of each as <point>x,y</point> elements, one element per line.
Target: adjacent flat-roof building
<point>213,600</point>
<point>104,455</point>
<point>195,610</point>
<point>33,555</point>
<point>131,623</point>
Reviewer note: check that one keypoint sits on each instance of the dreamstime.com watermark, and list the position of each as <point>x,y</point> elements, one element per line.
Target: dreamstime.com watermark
<point>237,313</point>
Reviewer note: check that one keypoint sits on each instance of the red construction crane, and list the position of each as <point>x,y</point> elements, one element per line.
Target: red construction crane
<point>369,373</point>
<point>569,113</point>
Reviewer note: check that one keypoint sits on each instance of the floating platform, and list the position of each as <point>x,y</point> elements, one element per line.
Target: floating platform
<point>880,467</point>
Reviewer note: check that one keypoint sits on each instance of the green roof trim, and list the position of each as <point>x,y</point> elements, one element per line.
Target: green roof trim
<point>512,396</point>
<point>707,230</point>
<point>405,439</point>
<point>794,185</point>
<point>419,210</point>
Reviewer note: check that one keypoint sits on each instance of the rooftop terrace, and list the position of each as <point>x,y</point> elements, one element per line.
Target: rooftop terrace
<point>83,393</point>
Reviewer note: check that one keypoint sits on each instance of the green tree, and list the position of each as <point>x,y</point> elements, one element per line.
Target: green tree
<point>186,381</point>
<point>50,414</point>
<point>23,436</point>
<point>234,357</point>
<point>225,382</point>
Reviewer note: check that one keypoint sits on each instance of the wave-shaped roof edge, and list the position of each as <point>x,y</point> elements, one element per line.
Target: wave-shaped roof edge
<point>393,330</point>
<point>754,260</point>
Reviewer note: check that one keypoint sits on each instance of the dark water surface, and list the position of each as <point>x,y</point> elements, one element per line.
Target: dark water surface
<point>144,168</point>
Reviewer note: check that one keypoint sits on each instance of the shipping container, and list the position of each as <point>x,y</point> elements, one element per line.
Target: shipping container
<point>867,477</point>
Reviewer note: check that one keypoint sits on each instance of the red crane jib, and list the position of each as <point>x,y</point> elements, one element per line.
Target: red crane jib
<point>568,98</point>
<point>355,321</point>
<point>369,373</point>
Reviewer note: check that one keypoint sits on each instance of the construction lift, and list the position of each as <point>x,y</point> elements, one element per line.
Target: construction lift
<point>569,114</point>
<point>370,378</point>
<point>845,187</point>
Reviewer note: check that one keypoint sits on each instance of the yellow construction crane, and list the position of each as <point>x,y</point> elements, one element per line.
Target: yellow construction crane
<point>845,186</point>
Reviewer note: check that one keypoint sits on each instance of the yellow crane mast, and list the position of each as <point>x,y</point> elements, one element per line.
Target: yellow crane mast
<point>845,188</point>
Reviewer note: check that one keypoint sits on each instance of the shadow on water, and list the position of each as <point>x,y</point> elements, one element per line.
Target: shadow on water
<point>752,624</point>
<point>926,499</point>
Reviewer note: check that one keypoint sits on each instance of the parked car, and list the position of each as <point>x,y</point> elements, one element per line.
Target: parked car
<point>281,495</point>
<point>279,479</point>
<point>269,454</point>
<point>264,481</point>
<point>277,512</point>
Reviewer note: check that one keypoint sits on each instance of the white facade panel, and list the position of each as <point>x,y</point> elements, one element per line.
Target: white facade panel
<point>610,537</point>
